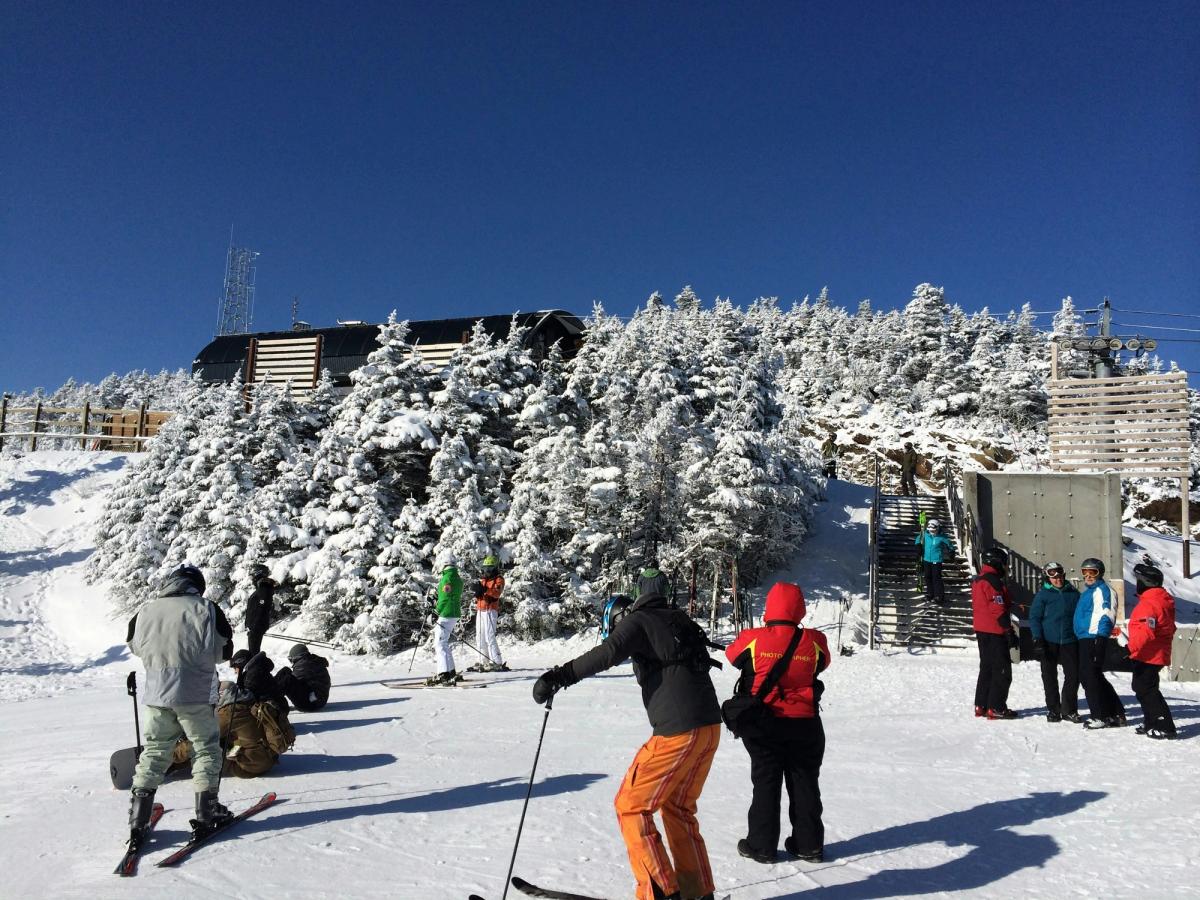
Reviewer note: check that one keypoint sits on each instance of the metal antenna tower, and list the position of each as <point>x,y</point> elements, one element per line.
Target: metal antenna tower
<point>237,305</point>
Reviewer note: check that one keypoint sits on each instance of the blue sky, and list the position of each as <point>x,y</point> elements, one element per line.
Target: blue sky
<point>452,159</point>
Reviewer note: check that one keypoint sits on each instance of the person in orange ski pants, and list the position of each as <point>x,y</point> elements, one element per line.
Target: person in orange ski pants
<point>671,663</point>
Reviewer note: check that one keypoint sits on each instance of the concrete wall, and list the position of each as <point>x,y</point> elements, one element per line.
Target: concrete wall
<point>1185,654</point>
<point>1039,517</point>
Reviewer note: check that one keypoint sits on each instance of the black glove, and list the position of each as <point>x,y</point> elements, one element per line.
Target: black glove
<point>550,683</point>
<point>1014,640</point>
<point>1039,645</point>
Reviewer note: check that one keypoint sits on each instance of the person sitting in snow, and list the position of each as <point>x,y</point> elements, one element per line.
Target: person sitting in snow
<point>487,615</point>
<point>255,728</point>
<point>306,681</point>
<point>448,609</point>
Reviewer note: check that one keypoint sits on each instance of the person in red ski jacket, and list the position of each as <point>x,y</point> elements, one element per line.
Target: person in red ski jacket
<point>1151,628</point>
<point>991,607</point>
<point>792,746</point>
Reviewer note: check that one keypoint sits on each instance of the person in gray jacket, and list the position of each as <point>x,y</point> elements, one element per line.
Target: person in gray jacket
<point>180,637</point>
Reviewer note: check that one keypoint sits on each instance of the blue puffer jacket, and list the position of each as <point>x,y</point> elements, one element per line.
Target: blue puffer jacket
<point>1094,615</point>
<point>1052,617</point>
<point>935,548</point>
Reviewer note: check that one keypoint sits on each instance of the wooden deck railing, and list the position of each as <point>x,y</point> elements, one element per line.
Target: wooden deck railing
<point>94,427</point>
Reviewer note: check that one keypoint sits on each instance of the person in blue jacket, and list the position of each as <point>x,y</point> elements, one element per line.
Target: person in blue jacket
<point>1095,615</point>
<point>1052,624</point>
<point>935,549</point>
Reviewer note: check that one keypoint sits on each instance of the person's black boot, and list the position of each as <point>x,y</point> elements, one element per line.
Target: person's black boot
<point>209,814</point>
<point>141,804</point>
<point>759,856</point>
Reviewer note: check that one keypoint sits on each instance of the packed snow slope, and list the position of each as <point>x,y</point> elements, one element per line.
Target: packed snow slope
<point>417,793</point>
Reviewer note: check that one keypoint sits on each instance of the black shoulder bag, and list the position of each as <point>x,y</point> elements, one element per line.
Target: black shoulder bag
<point>745,714</point>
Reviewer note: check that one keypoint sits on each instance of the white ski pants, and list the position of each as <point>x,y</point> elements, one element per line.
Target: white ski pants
<point>443,633</point>
<point>485,635</point>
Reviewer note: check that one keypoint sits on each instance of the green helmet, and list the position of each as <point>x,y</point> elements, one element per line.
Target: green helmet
<point>490,561</point>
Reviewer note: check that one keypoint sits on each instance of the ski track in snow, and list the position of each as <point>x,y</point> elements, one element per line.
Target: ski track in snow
<point>417,794</point>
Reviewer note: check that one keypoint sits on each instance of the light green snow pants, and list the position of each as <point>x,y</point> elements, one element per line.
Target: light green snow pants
<point>165,725</point>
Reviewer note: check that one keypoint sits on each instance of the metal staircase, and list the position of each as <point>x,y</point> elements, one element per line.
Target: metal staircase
<point>900,614</point>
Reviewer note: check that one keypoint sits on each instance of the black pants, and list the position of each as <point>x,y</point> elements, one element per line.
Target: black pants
<point>1067,656</point>
<point>995,671</point>
<point>831,469</point>
<point>1102,699</point>
<point>908,484</point>
<point>254,641</point>
<point>935,589</point>
<point>1154,707</point>
<point>790,753</point>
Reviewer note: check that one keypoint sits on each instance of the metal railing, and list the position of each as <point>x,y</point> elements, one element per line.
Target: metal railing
<point>873,548</point>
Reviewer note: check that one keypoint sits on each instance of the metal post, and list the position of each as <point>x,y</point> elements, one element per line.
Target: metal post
<point>83,424</point>
<point>141,426</point>
<point>691,588</point>
<point>3,418</point>
<point>1186,528</point>
<point>37,421</point>
<point>733,590</point>
<point>1104,367</point>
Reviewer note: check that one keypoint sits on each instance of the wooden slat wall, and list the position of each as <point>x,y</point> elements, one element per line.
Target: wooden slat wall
<point>1135,425</point>
<point>283,359</point>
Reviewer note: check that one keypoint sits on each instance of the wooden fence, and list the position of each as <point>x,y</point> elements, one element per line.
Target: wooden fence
<point>93,427</point>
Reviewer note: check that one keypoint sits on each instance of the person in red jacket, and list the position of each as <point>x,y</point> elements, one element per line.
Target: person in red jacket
<point>1151,627</point>
<point>793,745</point>
<point>991,607</point>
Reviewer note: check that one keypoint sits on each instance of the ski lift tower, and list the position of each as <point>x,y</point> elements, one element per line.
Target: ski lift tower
<point>237,305</point>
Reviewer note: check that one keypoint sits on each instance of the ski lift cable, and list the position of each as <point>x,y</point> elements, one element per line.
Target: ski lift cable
<point>1156,327</point>
<point>1147,312</point>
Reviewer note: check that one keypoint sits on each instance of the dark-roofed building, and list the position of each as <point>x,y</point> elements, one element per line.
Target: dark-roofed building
<point>302,353</point>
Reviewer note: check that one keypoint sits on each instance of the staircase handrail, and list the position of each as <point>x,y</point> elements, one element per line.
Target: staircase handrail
<point>960,515</point>
<point>873,546</point>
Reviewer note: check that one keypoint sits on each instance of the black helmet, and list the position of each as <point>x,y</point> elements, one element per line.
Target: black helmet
<point>1092,563</point>
<point>1148,576</point>
<point>258,572</point>
<point>997,558</point>
<point>614,610</point>
<point>191,574</point>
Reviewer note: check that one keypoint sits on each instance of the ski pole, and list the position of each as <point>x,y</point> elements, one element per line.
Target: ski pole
<point>300,640</point>
<point>528,792</point>
<point>131,689</point>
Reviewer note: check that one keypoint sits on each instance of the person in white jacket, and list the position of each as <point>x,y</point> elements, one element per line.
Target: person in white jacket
<point>180,637</point>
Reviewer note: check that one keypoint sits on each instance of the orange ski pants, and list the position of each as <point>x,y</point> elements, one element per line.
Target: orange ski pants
<point>667,776</point>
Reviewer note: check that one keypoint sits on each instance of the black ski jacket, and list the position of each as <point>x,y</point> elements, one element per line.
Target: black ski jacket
<point>306,683</point>
<point>678,697</point>
<point>259,606</point>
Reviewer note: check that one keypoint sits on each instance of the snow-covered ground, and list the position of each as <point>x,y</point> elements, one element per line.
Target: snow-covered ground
<point>416,794</point>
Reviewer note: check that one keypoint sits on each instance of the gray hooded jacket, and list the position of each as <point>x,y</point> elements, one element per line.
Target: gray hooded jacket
<point>180,637</point>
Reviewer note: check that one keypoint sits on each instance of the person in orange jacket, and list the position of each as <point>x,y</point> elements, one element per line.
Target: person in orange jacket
<point>487,616</point>
<point>792,745</point>
<point>1151,628</point>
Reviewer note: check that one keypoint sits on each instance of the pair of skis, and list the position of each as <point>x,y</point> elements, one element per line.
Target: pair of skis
<point>128,864</point>
<point>532,890</point>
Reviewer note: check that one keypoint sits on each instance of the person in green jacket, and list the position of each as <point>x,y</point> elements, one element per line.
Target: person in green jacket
<point>448,608</point>
<point>1051,622</point>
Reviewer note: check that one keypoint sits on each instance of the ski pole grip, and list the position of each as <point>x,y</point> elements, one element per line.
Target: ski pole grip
<point>131,684</point>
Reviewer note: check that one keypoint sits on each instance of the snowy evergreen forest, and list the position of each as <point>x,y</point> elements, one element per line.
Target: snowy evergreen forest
<point>686,433</point>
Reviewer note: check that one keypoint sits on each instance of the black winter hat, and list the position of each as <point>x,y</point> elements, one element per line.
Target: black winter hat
<point>239,659</point>
<point>298,651</point>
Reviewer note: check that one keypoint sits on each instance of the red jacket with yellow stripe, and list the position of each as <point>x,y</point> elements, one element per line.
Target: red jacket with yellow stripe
<point>758,649</point>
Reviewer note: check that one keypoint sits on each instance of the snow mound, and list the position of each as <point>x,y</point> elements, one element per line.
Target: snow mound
<point>55,629</point>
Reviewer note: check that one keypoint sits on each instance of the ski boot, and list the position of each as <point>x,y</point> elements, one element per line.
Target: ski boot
<point>497,667</point>
<point>210,814</point>
<point>141,804</point>
<point>478,667</point>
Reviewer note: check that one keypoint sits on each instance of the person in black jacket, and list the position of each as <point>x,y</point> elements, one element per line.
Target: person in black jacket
<point>255,682</point>
<point>259,607</point>
<point>671,664</point>
<point>306,683</point>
